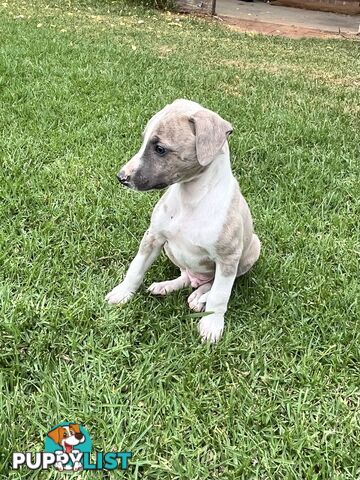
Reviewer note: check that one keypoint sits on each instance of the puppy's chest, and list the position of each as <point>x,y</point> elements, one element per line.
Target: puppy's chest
<point>190,241</point>
<point>189,230</point>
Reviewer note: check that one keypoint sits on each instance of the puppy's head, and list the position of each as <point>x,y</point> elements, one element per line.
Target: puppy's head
<point>179,143</point>
<point>67,436</point>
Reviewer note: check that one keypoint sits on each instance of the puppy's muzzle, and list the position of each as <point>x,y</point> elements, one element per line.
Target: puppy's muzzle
<point>123,178</point>
<point>137,181</point>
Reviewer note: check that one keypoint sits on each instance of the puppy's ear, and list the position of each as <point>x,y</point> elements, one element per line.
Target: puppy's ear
<point>211,132</point>
<point>56,434</point>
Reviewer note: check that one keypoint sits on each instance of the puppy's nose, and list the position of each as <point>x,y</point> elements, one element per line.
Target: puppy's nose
<point>79,436</point>
<point>123,178</point>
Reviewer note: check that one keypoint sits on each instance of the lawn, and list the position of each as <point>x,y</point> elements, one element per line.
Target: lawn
<point>279,396</point>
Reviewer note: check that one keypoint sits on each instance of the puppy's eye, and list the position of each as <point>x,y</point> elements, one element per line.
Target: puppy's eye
<point>65,434</point>
<point>160,150</point>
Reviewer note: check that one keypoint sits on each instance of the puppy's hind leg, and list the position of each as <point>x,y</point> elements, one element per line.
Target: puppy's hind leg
<point>250,256</point>
<point>163,288</point>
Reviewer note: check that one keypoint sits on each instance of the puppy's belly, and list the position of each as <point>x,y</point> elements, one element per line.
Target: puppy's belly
<point>190,257</point>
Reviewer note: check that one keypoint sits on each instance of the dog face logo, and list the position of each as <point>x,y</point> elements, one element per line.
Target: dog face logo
<point>67,436</point>
<point>68,449</point>
<point>72,440</point>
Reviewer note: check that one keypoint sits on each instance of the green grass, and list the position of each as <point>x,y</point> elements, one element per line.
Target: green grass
<point>279,396</point>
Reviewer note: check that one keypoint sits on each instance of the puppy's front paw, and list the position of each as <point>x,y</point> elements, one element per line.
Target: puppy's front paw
<point>211,327</point>
<point>77,467</point>
<point>119,294</point>
<point>59,466</point>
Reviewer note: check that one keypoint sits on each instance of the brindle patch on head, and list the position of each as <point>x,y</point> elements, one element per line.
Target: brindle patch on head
<point>175,128</point>
<point>179,163</point>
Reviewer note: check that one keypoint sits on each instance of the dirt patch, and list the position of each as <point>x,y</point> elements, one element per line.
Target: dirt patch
<point>274,29</point>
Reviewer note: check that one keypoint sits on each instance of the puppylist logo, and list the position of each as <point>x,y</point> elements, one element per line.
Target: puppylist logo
<point>68,449</point>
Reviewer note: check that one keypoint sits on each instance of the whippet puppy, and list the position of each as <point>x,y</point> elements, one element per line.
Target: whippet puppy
<point>202,221</point>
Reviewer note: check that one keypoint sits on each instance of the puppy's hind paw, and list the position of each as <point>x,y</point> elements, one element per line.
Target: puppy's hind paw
<point>119,295</point>
<point>163,288</point>
<point>197,300</point>
<point>211,327</point>
<point>160,288</point>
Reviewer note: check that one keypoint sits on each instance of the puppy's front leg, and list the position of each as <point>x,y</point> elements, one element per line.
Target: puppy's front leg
<point>150,248</point>
<point>211,326</point>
